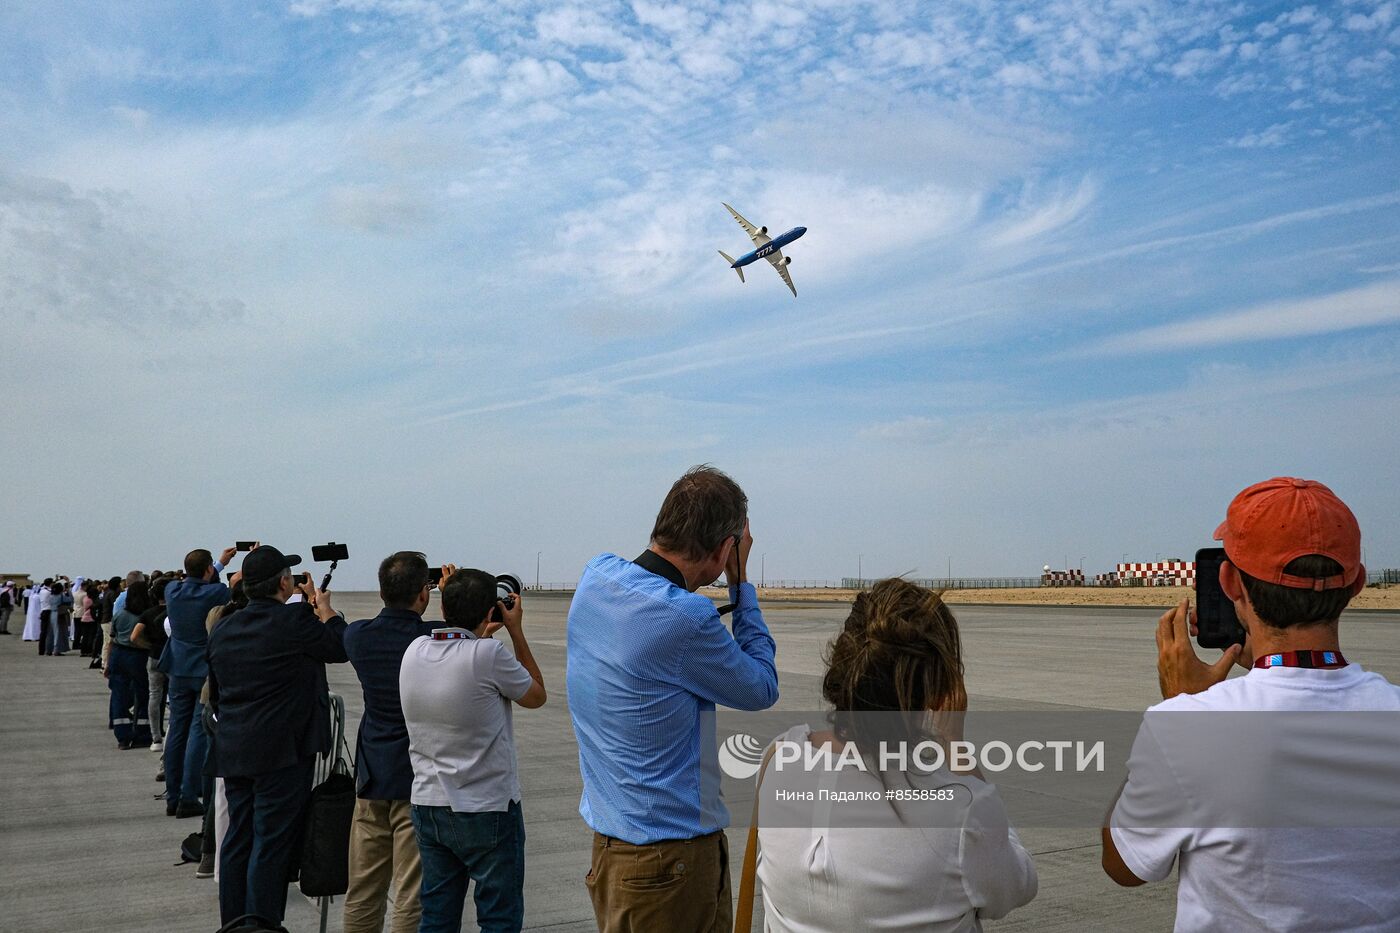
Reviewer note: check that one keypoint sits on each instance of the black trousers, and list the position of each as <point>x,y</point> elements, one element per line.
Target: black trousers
<point>44,631</point>
<point>85,633</point>
<point>266,815</point>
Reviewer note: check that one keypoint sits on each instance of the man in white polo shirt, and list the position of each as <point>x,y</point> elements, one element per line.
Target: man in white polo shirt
<point>1251,785</point>
<point>456,688</point>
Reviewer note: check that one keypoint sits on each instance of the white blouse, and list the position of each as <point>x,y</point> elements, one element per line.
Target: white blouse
<point>888,873</point>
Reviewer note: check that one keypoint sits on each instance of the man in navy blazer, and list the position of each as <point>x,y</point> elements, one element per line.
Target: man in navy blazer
<point>187,605</point>
<point>383,845</point>
<point>267,688</point>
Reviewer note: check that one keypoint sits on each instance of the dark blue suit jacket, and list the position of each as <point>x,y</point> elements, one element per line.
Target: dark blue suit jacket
<point>267,685</point>
<point>376,648</point>
<point>187,605</point>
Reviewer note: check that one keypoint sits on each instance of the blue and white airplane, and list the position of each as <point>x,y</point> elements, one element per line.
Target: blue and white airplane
<point>769,248</point>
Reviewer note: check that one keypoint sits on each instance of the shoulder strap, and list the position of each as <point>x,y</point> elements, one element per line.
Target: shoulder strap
<point>743,914</point>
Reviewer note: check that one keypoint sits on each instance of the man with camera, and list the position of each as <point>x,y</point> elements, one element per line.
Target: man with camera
<point>267,690</point>
<point>183,661</point>
<point>648,660</point>
<point>383,846</point>
<point>457,687</point>
<point>1259,810</point>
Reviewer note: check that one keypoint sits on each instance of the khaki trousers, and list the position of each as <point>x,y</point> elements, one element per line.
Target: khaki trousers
<point>383,847</point>
<point>676,885</point>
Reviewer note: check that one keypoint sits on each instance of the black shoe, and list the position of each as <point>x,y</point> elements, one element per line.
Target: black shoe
<point>171,807</point>
<point>160,777</point>
<point>123,745</point>
<point>188,808</point>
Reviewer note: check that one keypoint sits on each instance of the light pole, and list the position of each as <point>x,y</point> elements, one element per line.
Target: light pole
<point>537,568</point>
<point>950,570</point>
<point>763,570</point>
<point>1081,563</point>
<point>860,571</point>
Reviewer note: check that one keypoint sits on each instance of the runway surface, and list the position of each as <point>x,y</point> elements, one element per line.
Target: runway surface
<point>84,847</point>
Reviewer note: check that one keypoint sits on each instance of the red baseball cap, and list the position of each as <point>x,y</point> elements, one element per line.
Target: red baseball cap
<point>1273,522</point>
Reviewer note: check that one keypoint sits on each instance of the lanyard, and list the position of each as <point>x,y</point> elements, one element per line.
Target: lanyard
<point>1314,659</point>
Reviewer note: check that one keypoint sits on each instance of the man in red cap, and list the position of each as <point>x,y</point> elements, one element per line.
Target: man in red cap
<point>1293,563</point>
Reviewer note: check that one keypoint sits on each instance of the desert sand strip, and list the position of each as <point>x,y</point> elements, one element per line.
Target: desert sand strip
<point>1371,598</point>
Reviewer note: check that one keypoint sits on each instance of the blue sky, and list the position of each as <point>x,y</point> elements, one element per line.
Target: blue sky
<point>411,273</point>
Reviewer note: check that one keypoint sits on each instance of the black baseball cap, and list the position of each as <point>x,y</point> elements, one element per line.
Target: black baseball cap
<point>265,563</point>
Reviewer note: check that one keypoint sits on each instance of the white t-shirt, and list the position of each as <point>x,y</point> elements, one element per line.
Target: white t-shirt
<point>824,878</point>
<point>1254,876</point>
<point>456,697</point>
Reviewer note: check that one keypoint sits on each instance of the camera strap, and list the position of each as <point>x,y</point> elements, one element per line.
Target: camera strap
<point>653,562</point>
<point>451,634</point>
<point>1312,659</point>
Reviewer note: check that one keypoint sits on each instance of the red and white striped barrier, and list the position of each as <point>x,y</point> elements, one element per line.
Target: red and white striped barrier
<point>1160,573</point>
<point>1062,578</point>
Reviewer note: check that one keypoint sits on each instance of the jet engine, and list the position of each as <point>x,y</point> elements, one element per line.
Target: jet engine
<point>787,260</point>
<point>763,230</point>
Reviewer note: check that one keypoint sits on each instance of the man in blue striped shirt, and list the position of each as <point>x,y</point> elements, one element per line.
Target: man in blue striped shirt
<point>648,660</point>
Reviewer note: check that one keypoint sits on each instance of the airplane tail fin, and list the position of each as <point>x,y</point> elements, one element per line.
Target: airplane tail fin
<point>730,260</point>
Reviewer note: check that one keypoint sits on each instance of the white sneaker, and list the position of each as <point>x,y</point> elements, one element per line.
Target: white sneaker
<point>156,747</point>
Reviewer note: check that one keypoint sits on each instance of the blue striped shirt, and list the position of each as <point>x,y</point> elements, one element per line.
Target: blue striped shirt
<point>646,660</point>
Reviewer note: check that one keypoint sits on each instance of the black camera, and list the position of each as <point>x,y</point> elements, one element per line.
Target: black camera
<point>508,587</point>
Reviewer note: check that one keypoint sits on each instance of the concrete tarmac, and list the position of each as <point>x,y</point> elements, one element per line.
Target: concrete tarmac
<point>85,847</point>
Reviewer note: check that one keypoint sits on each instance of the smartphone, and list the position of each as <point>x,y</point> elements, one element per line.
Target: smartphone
<point>245,545</point>
<point>322,553</point>
<point>434,577</point>
<point>1216,625</point>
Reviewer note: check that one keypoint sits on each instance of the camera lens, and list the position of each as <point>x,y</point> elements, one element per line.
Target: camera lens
<point>507,585</point>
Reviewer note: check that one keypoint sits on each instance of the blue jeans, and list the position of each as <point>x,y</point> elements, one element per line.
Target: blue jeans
<point>186,745</point>
<point>488,848</point>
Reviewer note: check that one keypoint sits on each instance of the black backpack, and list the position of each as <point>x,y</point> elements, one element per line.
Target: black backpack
<point>192,849</point>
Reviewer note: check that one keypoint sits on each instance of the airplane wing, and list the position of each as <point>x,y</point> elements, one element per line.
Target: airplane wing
<point>759,239</point>
<point>776,258</point>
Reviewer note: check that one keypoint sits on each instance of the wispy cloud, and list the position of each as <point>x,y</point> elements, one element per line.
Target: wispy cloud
<point>1217,235</point>
<point>1059,211</point>
<point>1368,306</point>
<point>88,258</point>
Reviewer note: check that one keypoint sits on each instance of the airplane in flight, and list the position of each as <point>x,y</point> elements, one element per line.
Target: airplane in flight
<point>766,247</point>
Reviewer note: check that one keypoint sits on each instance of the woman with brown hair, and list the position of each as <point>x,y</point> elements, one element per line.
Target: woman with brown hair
<point>927,850</point>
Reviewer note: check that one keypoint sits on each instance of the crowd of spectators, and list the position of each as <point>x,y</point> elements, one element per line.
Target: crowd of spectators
<point>439,811</point>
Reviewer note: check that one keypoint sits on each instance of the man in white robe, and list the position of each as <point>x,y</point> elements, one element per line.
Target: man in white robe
<point>31,618</point>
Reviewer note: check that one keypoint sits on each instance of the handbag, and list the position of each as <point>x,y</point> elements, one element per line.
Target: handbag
<point>325,846</point>
<point>748,875</point>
